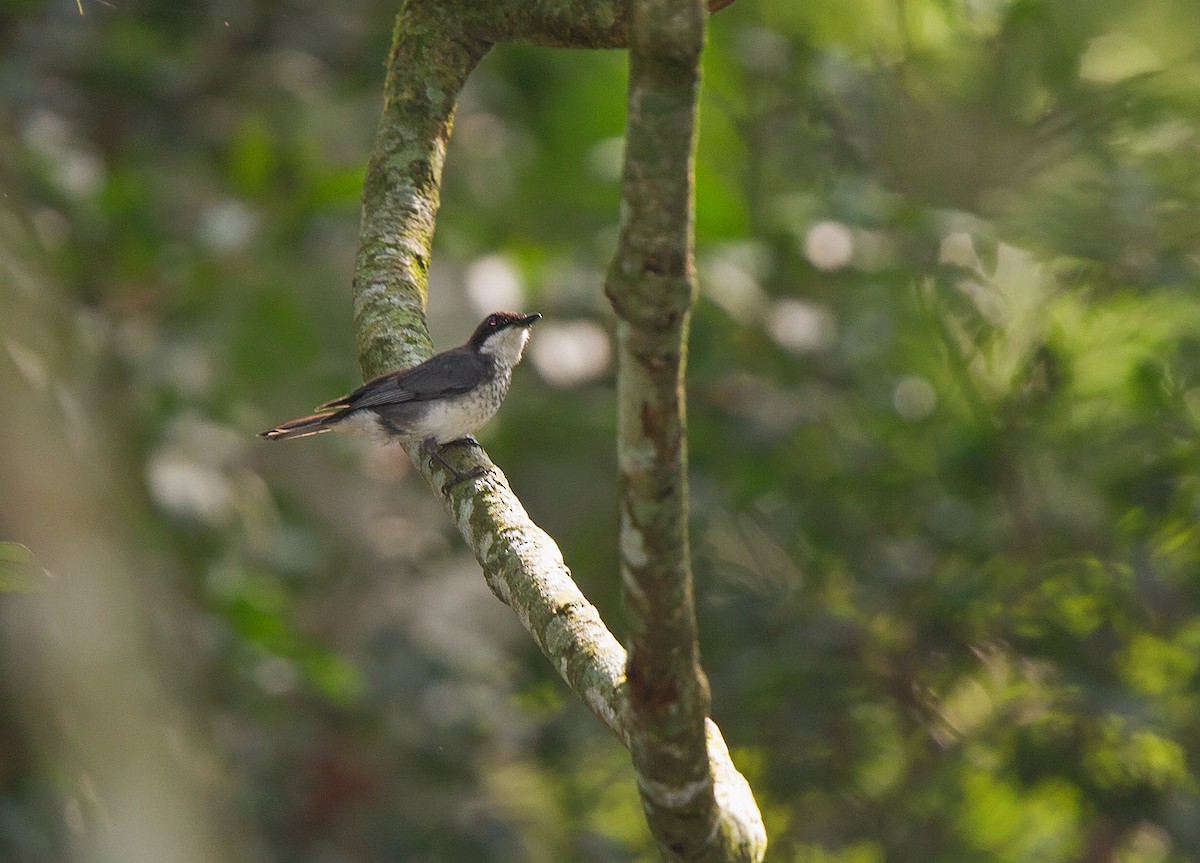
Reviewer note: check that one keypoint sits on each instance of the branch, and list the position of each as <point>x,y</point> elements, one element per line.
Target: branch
<point>556,23</point>
<point>434,49</point>
<point>651,285</point>
<point>428,65</point>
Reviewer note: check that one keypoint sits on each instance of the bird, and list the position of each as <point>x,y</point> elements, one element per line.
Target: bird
<point>437,403</point>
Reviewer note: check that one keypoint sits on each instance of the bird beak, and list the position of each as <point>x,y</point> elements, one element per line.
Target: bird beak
<point>528,320</point>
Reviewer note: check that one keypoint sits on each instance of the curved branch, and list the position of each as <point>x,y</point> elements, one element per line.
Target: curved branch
<point>433,52</point>
<point>428,65</point>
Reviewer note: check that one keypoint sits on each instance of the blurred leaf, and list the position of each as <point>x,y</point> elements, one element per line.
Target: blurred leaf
<point>1035,825</point>
<point>944,481</point>
<point>20,571</point>
<point>252,159</point>
<point>333,676</point>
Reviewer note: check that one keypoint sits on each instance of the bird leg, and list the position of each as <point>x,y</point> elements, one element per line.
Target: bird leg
<point>430,447</point>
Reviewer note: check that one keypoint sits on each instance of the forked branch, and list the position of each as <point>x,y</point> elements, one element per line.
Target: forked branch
<point>700,807</point>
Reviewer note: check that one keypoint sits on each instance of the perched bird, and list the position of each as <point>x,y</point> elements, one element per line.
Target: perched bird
<point>438,402</point>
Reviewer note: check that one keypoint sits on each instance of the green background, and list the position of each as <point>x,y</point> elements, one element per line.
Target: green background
<point>944,394</point>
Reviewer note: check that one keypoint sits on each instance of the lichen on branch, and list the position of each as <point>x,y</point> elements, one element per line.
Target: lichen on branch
<point>699,806</point>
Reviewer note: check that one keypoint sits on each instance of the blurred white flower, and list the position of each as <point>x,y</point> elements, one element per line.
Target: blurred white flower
<point>493,284</point>
<point>606,158</point>
<point>80,172</point>
<point>276,675</point>
<point>47,133</point>
<point>914,398</point>
<point>732,288</point>
<point>78,168</point>
<point>829,245</point>
<point>566,353</point>
<point>189,489</point>
<point>227,226</point>
<point>801,327</point>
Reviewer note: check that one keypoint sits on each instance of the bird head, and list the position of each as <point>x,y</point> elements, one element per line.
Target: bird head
<point>502,336</point>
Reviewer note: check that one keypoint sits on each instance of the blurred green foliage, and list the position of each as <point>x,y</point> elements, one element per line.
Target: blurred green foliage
<point>945,394</point>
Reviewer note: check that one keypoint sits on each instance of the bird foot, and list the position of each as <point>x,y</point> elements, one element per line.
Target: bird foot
<point>458,476</point>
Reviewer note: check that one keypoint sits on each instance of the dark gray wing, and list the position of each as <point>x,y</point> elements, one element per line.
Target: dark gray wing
<point>446,374</point>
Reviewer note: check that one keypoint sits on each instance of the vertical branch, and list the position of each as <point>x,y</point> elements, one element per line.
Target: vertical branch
<point>652,285</point>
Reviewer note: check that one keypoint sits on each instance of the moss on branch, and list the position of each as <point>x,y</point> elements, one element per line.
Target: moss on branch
<point>698,805</point>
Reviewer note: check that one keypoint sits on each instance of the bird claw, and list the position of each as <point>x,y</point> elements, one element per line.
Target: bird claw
<point>435,455</point>
<point>473,473</point>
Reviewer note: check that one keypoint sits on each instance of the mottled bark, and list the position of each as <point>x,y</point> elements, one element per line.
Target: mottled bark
<point>427,67</point>
<point>699,806</point>
<point>652,285</point>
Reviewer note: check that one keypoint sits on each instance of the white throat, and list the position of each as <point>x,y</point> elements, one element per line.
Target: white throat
<point>505,347</point>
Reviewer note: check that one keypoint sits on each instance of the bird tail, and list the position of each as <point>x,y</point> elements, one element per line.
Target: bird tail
<point>302,427</point>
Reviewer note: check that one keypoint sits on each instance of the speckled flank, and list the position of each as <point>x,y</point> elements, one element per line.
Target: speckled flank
<point>458,416</point>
